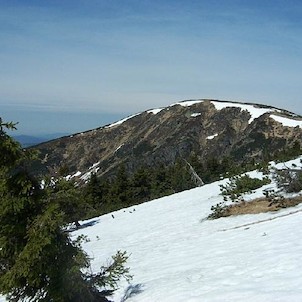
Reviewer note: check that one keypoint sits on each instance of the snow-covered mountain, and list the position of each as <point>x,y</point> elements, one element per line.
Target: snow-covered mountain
<point>206,128</point>
<point>178,255</point>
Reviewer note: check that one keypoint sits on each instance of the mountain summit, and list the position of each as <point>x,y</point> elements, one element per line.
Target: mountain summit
<point>205,128</point>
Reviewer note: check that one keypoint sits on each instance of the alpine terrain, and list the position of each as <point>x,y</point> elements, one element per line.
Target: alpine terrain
<point>232,237</point>
<point>177,254</point>
<point>207,129</point>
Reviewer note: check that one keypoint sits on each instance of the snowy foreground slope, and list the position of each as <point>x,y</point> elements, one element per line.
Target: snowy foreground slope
<point>177,255</point>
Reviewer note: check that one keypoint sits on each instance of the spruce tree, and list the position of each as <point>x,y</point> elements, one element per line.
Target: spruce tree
<point>38,259</point>
<point>141,185</point>
<point>120,187</point>
<point>69,199</point>
<point>97,191</point>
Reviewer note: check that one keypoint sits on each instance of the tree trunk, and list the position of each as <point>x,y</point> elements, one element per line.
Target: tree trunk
<point>194,176</point>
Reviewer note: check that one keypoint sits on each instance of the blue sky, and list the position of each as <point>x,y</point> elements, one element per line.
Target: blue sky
<point>69,66</point>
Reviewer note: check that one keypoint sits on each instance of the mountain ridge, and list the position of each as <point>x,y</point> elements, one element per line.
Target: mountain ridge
<point>204,127</point>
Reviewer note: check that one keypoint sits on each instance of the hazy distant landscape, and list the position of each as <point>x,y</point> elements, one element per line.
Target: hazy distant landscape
<point>27,140</point>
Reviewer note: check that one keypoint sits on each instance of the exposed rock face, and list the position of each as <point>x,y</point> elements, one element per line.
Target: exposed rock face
<point>206,127</point>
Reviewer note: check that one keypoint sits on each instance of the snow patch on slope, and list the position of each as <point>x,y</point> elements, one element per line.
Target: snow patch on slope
<point>78,173</point>
<point>119,147</point>
<point>155,111</point>
<point>286,121</point>
<point>212,136</point>
<point>93,169</point>
<point>195,114</point>
<point>187,103</point>
<point>121,121</point>
<point>254,111</point>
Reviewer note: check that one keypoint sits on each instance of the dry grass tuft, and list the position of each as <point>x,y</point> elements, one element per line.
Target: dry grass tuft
<point>260,205</point>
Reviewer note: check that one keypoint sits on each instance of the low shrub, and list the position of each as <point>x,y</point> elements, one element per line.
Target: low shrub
<point>238,185</point>
<point>218,210</point>
<point>290,180</point>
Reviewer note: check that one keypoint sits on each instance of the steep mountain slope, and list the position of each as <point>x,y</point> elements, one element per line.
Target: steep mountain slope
<point>206,128</point>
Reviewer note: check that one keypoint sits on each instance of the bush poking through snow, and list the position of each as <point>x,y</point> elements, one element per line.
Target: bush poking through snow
<point>233,191</point>
<point>274,198</point>
<point>238,185</point>
<point>218,210</point>
<point>290,180</point>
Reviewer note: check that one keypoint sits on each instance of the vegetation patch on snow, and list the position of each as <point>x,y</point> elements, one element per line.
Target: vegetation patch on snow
<point>256,206</point>
<point>287,180</point>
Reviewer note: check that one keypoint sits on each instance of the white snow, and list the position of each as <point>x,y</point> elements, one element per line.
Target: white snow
<point>287,121</point>
<point>177,255</point>
<point>119,147</point>
<point>87,175</point>
<point>254,111</point>
<point>93,169</point>
<point>187,103</point>
<point>296,162</point>
<point>195,114</point>
<point>212,136</point>
<point>76,174</point>
<point>155,111</point>
<point>121,121</point>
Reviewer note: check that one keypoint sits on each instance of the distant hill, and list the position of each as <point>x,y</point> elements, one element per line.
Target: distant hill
<point>28,140</point>
<point>208,129</point>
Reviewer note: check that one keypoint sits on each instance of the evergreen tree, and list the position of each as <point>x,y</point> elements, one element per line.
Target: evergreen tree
<point>120,187</point>
<point>97,191</point>
<point>141,185</point>
<point>38,260</point>
<point>69,200</point>
<point>180,176</point>
<point>161,182</point>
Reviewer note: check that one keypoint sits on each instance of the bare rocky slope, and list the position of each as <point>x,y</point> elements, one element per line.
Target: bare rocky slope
<point>207,128</point>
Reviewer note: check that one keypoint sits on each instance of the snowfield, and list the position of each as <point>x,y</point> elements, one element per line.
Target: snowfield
<point>178,255</point>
